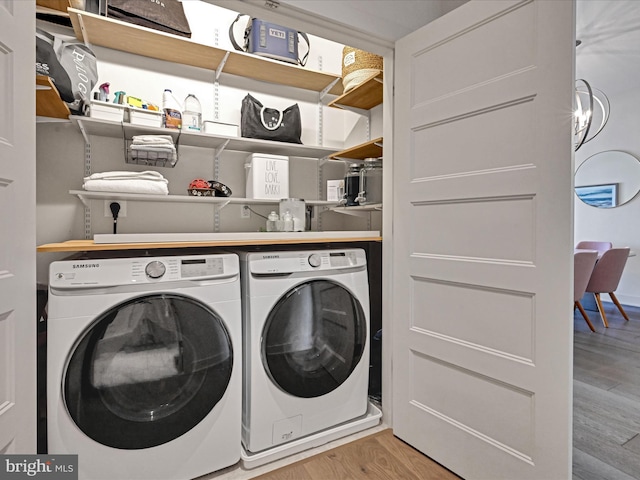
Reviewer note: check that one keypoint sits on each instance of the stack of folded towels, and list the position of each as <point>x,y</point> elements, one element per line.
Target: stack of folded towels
<point>157,150</point>
<point>148,182</point>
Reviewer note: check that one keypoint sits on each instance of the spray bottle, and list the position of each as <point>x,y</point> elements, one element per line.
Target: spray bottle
<point>171,114</point>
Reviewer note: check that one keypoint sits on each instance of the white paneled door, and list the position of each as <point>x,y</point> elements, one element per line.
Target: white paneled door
<point>483,235</point>
<point>17,228</point>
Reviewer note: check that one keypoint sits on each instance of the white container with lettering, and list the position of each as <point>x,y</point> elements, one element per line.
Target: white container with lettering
<point>267,176</point>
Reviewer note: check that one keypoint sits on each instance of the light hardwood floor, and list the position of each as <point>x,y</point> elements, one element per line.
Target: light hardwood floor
<point>380,456</point>
<point>606,397</point>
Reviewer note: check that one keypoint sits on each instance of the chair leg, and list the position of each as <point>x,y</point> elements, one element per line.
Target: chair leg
<point>601,310</point>
<point>615,300</point>
<point>584,314</point>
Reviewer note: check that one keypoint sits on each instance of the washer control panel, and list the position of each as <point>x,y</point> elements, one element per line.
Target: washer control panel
<point>305,261</point>
<point>141,270</point>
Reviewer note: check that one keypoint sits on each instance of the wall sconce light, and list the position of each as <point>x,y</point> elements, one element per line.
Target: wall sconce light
<point>591,112</point>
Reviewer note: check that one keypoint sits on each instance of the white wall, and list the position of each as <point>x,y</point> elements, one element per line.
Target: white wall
<point>61,150</point>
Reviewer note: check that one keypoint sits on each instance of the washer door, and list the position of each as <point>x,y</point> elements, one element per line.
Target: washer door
<point>313,338</point>
<point>147,371</point>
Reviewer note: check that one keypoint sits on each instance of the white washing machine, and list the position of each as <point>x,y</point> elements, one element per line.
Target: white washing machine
<point>306,322</point>
<point>144,372</point>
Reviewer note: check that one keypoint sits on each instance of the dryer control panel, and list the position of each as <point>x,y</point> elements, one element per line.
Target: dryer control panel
<point>305,261</point>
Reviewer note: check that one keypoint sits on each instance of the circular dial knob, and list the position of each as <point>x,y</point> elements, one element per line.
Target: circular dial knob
<point>314,260</point>
<point>155,269</point>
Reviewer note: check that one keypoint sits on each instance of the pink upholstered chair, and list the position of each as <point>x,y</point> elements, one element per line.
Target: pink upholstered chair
<point>583,263</point>
<point>601,247</point>
<point>606,277</point>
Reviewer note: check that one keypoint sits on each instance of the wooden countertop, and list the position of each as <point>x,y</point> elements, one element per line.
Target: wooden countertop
<point>91,246</point>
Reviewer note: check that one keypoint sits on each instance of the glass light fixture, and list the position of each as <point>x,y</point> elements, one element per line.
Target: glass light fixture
<point>591,112</point>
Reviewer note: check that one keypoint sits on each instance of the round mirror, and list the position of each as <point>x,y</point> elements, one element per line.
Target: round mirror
<point>608,179</point>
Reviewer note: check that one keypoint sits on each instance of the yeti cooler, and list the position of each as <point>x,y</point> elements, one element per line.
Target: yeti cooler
<point>273,41</point>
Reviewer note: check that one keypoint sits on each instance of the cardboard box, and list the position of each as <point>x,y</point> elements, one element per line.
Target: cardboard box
<point>106,111</point>
<point>218,128</point>
<point>267,176</point>
<point>142,116</point>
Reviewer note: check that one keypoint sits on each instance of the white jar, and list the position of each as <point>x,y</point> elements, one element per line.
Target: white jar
<point>288,221</point>
<point>272,222</point>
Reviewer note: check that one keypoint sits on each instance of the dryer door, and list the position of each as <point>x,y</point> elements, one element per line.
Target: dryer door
<point>313,338</point>
<point>147,371</point>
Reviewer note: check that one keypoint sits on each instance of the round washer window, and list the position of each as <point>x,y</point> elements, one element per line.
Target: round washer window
<point>313,338</point>
<point>148,371</point>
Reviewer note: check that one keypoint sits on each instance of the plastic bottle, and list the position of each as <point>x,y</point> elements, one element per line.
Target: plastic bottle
<point>272,222</point>
<point>192,114</point>
<point>171,114</point>
<point>288,221</point>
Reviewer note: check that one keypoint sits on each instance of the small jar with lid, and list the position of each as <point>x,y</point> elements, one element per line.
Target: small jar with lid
<point>272,222</point>
<point>287,220</point>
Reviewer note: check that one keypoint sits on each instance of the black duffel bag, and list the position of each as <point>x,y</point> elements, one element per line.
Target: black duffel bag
<point>258,121</point>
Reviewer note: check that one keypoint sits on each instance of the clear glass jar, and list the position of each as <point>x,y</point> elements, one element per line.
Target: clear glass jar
<point>272,222</point>
<point>287,221</point>
<point>351,185</point>
<point>370,182</point>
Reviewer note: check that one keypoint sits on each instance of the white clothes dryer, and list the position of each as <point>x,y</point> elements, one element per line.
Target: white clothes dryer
<point>144,365</point>
<point>306,322</point>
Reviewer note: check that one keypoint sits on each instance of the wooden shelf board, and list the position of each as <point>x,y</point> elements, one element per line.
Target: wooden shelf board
<point>131,38</point>
<point>48,101</point>
<point>58,6</point>
<point>365,96</point>
<point>369,149</point>
<point>91,246</point>
<point>273,71</point>
<point>51,11</point>
<point>127,37</point>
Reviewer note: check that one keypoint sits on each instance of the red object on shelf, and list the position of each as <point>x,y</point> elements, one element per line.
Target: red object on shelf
<point>199,183</point>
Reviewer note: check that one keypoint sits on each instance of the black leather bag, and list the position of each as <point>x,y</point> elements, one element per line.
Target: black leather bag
<point>166,15</point>
<point>258,121</point>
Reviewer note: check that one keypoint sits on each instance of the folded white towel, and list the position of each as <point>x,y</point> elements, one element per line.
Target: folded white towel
<point>154,148</point>
<point>149,175</point>
<point>152,139</point>
<point>127,186</point>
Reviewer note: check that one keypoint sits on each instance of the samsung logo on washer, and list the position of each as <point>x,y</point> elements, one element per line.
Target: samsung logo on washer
<point>85,265</point>
<point>265,257</point>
